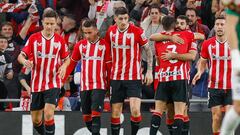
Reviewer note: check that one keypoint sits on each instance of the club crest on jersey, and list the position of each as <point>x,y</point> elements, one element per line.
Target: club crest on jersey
<point>55,45</point>
<point>39,44</point>
<point>101,47</point>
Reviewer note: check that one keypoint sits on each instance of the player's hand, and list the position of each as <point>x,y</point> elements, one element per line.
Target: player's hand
<point>28,64</point>
<point>176,39</point>
<point>28,91</point>
<point>168,55</point>
<point>62,71</point>
<point>9,75</point>
<point>196,78</point>
<point>148,77</point>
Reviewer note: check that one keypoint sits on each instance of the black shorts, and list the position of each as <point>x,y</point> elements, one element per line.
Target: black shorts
<point>39,99</point>
<point>219,97</point>
<point>122,89</point>
<point>92,100</point>
<point>172,91</point>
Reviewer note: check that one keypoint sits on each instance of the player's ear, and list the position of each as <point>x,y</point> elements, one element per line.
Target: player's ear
<point>115,18</point>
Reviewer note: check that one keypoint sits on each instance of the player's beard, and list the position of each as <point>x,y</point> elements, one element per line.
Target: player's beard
<point>220,33</point>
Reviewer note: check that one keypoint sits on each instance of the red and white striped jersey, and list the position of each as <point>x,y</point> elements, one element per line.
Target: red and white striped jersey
<point>94,57</point>
<point>47,58</point>
<point>218,54</point>
<point>172,70</point>
<point>126,50</point>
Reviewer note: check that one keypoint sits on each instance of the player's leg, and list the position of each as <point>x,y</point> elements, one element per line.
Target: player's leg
<point>179,96</point>
<point>134,93</point>
<point>161,98</point>
<point>216,101</point>
<point>50,98</point>
<point>186,122</point>
<point>97,107</point>
<point>170,116</point>
<point>37,105</point>
<point>86,108</point>
<point>117,98</point>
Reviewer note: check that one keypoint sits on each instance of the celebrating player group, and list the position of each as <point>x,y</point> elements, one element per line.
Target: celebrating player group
<point>113,64</point>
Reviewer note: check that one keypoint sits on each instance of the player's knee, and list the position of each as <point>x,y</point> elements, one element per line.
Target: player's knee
<point>36,120</point>
<point>48,115</point>
<point>216,117</point>
<point>135,111</point>
<point>116,113</point>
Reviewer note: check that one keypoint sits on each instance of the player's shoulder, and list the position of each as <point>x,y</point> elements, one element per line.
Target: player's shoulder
<point>134,28</point>
<point>36,35</point>
<point>82,42</point>
<point>112,27</point>
<point>210,40</point>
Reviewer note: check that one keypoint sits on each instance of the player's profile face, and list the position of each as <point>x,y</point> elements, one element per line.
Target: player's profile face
<point>181,24</point>
<point>219,27</point>
<point>49,24</point>
<point>90,33</point>
<point>122,21</point>
<point>3,44</point>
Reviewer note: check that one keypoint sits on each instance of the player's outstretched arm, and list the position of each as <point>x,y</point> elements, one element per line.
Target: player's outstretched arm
<point>202,63</point>
<point>158,37</point>
<point>22,60</point>
<point>63,68</point>
<point>148,78</point>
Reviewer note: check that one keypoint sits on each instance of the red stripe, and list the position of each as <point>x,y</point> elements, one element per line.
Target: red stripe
<point>49,123</point>
<point>169,121</point>
<point>96,114</point>
<point>217,133</point>
<point>136,119</point>
<point>186,119</point>
<point>87,117</point>
<point>178,116</point>
<point>115,121</point>
<point>157,113</point>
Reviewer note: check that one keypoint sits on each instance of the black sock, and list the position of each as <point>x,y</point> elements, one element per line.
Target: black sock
<point>115,126</point>
<point>135,123</point>
<point>170,128</point>
<point>155,123</point>
<point>96,125</point>
<point>40,128</point>
<point>185,129</point>
<point>89,125</point>
<point>50,127</point>
<point>177,127</point>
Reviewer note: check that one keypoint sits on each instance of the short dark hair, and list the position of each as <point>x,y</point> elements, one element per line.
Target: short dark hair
<point>192,9</point>
<point>89,23</point>
<point>6,24</point>
<point>49,12</point>
<point>157,6</point>
<point>3,37</point>
<point>168,22</point>
<point>121,11</point>
<point>220,18</point>
<point>183,17</point>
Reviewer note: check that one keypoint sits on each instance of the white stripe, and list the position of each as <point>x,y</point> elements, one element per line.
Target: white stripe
<point>225,65</point>
<point>138,64</point>
<point>48,63</point>
<point>182,73</point>
<point>160,76</point>
<point>94,70</point>
<point>56,61</point>
<point>35,60</point>
<point>211,62</point>
<point>117,55</point>
<point>167,76</point>
<point>132,57</point>
<point>175,71</point>
<point>42,65</point>
<point>217,65</point>
<point>124,55</point>
<point>87,63</point>
<point>101,70</point>
<point>81,73</point>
